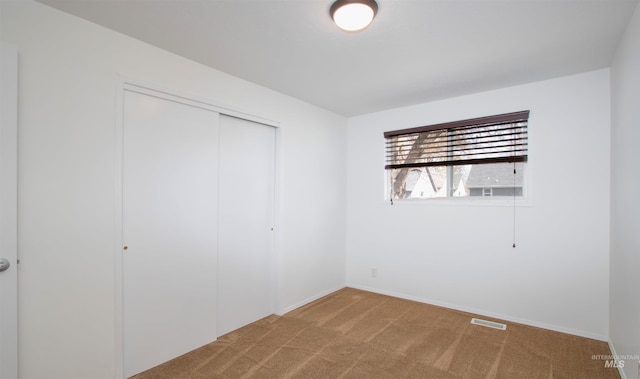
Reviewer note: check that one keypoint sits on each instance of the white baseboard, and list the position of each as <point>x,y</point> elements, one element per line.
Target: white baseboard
<point>613,352</point>
<point>484,313</point>
<point>308,300</point>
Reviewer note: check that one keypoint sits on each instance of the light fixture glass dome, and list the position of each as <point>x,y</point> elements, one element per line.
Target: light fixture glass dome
<point>353,15</point>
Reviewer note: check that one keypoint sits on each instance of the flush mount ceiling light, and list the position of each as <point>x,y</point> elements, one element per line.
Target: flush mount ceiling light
<point>353,15</point>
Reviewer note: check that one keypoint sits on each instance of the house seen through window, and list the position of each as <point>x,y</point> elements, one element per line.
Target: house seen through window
<point>479,157</point>
<point>495,179</point>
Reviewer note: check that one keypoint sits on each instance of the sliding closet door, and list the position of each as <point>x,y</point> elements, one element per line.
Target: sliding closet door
<point>247,156</point>
<point>170,221</point>
<point>9,214</point>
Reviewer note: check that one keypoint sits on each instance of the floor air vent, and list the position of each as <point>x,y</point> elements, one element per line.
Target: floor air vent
<point>490,324</point>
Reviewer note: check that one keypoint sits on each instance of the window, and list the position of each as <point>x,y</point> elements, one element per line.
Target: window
<point>478,157</point>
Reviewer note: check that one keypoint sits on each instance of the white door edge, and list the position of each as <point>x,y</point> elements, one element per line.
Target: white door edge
<point>9,212</point>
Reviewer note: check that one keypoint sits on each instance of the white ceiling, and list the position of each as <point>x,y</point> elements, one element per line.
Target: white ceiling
<point>415,51</point>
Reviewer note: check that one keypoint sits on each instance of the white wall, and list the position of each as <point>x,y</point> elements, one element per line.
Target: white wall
<point>461,256</point>
<point>624,327</point>
<point>68,74</point>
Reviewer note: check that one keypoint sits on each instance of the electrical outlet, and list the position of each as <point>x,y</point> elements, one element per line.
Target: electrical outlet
<point>374,272</point>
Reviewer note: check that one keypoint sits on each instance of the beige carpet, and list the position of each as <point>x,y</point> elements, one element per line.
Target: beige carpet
<point>358,334</point>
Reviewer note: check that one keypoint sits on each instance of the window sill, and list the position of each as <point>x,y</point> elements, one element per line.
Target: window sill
<point>479,201</point>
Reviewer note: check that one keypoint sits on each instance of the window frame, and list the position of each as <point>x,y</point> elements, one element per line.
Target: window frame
<point>525,199</point>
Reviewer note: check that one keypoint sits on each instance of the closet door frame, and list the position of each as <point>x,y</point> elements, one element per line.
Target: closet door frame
<point>126,84</point>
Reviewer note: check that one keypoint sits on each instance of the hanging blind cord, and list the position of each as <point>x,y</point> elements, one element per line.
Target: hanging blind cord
<point>514,205</point>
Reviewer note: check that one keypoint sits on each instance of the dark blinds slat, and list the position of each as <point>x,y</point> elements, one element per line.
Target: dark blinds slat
<point>493,139</point>
<point>504,118</point>
<point>461,162</point>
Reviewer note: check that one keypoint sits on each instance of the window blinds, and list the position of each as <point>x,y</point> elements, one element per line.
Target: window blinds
<point>492,139</point>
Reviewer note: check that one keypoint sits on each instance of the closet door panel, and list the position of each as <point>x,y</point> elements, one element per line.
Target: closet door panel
<point>246,202</point>
<point>170,222</point>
